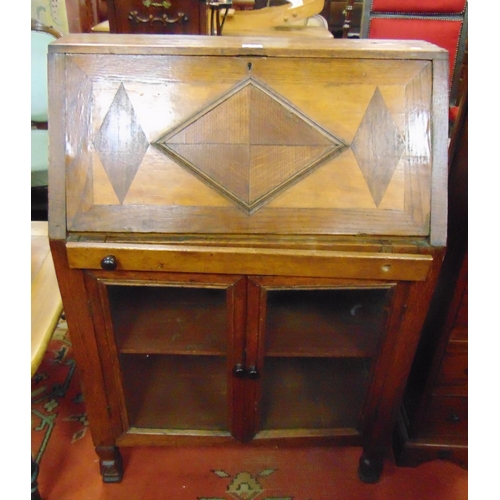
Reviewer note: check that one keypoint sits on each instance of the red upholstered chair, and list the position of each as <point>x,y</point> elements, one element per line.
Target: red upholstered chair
<point>442,22</point>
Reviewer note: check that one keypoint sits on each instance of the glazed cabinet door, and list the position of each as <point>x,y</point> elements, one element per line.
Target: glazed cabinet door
<point>168,345</point>
<point>258,357</point>
<point>318,344</point>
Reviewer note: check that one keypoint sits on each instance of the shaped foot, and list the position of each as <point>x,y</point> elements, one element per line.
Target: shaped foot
<point>110,463</point>
<point>370,468</point>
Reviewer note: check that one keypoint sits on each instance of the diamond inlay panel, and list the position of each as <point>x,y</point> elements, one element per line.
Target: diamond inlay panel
<point>121,143</point>
<point>377,146</point>
<point>233,144</point>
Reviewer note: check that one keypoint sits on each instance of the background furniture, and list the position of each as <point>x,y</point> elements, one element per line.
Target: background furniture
<point>69,16</point>
<point>172,16</point>
<point>348,14</point>
<point>442,23</point>
<point>51,13</point>
<point>236,264</point>
<point>280,20</point>
<point>41,37</point>
<point>434,421</point>
<point>46,308</point>
<point>301,20</point>
<point>335,11</point>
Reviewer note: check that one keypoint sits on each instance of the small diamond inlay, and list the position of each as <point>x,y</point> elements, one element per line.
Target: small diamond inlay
<point>377,146</point>
<point>121,143</point>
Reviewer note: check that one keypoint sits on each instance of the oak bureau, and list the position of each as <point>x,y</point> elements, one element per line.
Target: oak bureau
<point>246,233</point>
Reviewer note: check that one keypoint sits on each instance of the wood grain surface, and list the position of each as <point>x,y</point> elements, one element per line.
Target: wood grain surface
<point>215,138</point>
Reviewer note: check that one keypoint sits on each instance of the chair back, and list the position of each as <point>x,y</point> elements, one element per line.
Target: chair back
<point>41,37</point>
<point>442,23</point>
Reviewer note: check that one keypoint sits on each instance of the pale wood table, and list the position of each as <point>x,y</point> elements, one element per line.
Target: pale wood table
<point>46,308</point>
<point>46,303</point>
<point>284,31</point>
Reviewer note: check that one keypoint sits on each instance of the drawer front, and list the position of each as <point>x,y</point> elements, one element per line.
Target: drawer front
<point>179,17</point>
<point>462,319</point>
<point>452,378</point>
<point>460,327</point>
<point>446,416</point>
<point>459,333</point>
<point>285,262</point>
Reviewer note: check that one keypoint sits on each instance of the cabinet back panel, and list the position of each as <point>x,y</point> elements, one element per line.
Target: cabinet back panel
<point>312,393</point>
<point>175,392</point>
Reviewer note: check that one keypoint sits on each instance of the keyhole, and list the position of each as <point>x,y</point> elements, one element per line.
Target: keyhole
<point>249,66</point>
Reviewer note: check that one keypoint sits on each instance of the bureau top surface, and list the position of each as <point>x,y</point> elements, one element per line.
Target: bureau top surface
<point>276,136</point>
<point>219,45</point>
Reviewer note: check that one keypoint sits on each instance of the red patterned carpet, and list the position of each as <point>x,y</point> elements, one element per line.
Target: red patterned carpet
<point>69,470</point>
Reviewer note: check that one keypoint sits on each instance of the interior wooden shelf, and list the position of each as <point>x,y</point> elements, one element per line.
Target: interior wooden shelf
<point>169,319</point>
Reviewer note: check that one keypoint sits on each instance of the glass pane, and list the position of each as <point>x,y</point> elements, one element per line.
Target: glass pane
<point>175,392</point>
<point>319,345</point>
<point>172,345</point>
<point>324,322</point>
<point>169,319</point>
<point>312,393</point>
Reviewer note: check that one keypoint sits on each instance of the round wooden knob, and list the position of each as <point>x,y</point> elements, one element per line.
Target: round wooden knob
<point>109,263</point>
<point>239,371</point>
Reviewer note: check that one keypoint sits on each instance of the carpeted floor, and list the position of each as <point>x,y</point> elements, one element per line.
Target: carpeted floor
<point>69,469</point>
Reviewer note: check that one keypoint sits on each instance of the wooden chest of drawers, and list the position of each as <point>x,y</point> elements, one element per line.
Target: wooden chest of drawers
<point>435,423</point>
<point>436,418</point>
<point>247,233</point>
<point>181,17</point>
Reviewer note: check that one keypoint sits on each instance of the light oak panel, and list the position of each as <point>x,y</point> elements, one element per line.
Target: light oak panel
<point>149,103</point>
